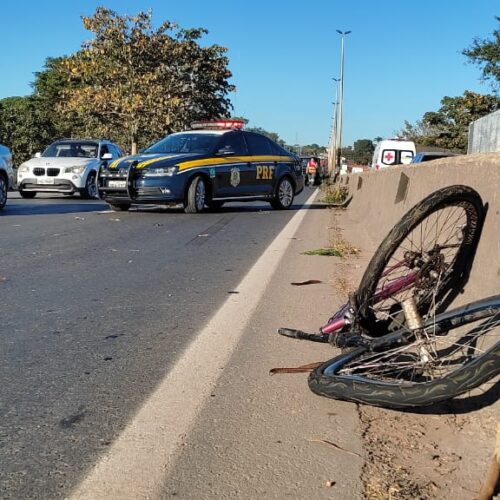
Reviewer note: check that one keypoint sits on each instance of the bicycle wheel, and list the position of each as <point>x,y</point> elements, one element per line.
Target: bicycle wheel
<point>427,253</point>
<point>455,352</point>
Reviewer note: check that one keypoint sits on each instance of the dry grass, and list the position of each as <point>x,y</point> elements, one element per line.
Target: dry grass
<point>342,246</point>
<point>333,194</point>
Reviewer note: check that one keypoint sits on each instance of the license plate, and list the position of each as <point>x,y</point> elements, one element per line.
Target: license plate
<point>45,181</point>
<point>117,184</point>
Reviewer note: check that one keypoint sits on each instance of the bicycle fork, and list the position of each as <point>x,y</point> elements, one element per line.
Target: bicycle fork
<point>415,324</point>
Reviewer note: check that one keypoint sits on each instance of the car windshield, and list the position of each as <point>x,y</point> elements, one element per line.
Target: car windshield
<point>72,149</point>
<point>185,143</point>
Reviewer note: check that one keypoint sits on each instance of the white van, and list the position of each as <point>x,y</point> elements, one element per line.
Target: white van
<point>390,152</point>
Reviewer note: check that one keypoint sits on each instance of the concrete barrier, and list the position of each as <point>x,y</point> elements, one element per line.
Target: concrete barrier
<point>380,198</point>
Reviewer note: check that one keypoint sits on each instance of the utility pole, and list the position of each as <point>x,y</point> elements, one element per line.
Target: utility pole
<point>333,136</point>
<point>341,99</point>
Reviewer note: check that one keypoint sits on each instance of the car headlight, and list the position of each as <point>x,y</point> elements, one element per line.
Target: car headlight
<point>74,170</point>
<point>161,171</point>
<point>23,169</point>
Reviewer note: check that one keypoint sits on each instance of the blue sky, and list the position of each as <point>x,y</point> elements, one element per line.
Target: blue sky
<point>401,58</point>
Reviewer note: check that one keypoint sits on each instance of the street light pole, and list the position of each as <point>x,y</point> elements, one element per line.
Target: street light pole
<point>341,98</point>
<point>333,143</point>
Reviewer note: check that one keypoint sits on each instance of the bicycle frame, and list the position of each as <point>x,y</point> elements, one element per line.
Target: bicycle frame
<point>341,318</point>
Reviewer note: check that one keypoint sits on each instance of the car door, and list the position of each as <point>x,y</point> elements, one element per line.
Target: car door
<point>263,166</point>
<point>231,171</point>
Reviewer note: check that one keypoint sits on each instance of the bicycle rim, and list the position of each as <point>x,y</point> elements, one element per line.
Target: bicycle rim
<point>455,352</point>
<point>426,255</point>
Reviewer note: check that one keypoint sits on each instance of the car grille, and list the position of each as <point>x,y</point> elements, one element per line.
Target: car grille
<point>53,172</point>
<point>39,171</point>
<point>59,185</point>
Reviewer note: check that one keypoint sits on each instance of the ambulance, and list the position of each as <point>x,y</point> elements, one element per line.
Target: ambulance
<point>391,152</point>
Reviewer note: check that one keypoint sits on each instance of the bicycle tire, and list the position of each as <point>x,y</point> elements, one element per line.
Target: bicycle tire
<point>342,378</point>
<point>448,197</point>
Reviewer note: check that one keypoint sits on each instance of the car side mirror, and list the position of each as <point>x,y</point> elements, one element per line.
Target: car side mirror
<point>107,156</point>
<point>38,155</point>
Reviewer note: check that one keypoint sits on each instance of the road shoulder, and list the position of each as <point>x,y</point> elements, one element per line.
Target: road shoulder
<point>263,436</point>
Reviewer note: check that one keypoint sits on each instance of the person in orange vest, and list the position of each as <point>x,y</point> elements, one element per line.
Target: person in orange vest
<point>311,168</point>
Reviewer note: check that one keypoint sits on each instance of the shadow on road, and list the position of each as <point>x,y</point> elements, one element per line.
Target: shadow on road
<point>232,208</point>
<point>60,207</point>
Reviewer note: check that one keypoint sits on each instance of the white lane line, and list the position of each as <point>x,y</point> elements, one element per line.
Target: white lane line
<point>138,461</point>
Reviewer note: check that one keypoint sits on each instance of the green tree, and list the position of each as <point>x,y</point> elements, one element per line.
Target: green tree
<point>313,149</point>
<point>363,151</point>
<point>347,153</point>
<point>28,124</point>
<point>48,93</point>
<point>134,83</point>
<point>486,55</point>
<point>448,127</point>
<point>23,127</point>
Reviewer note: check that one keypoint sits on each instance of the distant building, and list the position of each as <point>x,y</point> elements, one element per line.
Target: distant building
<point>484,134</point>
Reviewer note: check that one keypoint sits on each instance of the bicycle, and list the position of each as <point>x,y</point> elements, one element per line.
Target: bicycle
<point>395,322</point>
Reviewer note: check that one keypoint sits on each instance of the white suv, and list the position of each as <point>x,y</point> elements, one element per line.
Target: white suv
<point>67,166</point>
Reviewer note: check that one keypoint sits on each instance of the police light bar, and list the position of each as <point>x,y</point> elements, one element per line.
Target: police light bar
<point>219,125</point>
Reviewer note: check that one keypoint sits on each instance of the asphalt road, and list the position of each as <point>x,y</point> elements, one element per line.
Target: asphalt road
<point>95,308</point>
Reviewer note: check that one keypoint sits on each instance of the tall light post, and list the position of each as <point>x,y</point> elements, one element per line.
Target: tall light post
<point>333,136</point>
<point>341,97</point>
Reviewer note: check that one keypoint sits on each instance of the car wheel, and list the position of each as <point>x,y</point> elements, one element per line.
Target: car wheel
<point>215,205</point>
<point>90,190</point>
<point>283,198</point>
<point>196,196</point>
<point>3,191</point>
<point>119,207</point>
<point>27,194</point>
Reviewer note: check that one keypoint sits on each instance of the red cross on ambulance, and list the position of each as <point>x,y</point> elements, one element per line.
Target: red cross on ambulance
<point>388,157</point>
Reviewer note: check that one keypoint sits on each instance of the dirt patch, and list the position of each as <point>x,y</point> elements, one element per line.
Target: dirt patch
<point>345,269</point>
<point>442,452</point>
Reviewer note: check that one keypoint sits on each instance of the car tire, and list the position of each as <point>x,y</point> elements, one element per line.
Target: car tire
<point>27,194</point>
<point>119,207</point>
<point>89,192</point>
<point>285,193</point>
<point>3,191</point>
<point>195,196</point>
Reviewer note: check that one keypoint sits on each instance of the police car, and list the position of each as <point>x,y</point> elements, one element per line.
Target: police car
<point>213,163</point>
